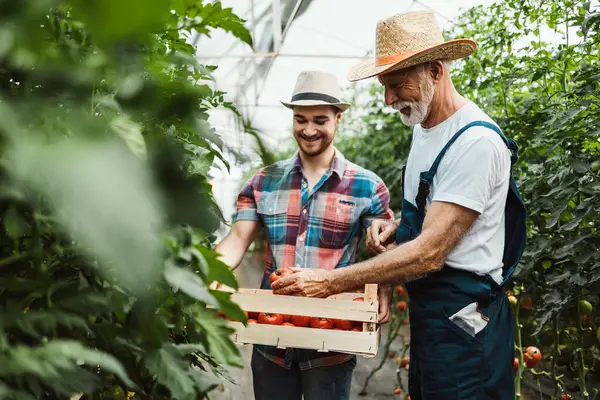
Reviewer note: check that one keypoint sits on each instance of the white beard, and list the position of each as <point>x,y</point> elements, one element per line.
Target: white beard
<point>420,109</point>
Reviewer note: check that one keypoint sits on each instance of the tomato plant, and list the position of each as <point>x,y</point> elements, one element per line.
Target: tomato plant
<point>106,209</point>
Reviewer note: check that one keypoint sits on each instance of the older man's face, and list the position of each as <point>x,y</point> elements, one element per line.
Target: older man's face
<point>409,91</point>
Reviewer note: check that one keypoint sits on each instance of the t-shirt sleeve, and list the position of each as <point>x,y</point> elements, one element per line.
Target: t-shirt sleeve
<point>246,202</point>
<point>469,172</point>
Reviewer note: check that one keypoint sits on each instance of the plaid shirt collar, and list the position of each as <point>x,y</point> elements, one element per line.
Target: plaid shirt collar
<point>338,165</point>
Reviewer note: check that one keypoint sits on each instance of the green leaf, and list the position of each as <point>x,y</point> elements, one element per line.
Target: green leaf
<point>38,323</point>
<point>228,307</point>
<point>14,224</point>
<point>108,203</point>
<point>171,371</point>
<point>218,271</point>
<point>8,393</point>
<point>131,133</point>
<point>111,21</point>
<point>189,283</point>
<point>46,361</point>
<point>579,166</point>
<point>217,334</point>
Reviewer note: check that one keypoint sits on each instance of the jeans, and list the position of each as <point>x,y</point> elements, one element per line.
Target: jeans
<point>272,382</point>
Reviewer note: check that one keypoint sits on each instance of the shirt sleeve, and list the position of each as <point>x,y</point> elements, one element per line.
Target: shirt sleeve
<point>246,200</point>
<point>380,206</point>
<point>469,172</point>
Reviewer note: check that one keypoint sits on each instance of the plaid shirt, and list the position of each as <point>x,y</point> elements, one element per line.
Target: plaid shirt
<point>317,229</point>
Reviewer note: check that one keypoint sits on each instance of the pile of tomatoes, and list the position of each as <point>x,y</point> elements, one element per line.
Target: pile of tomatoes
<point>301,320</point>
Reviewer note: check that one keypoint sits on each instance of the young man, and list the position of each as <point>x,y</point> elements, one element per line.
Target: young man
<point>314,207</point>
<point>462,230</point>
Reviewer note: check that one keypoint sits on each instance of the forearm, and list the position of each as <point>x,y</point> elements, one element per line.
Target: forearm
<point>231,250</point>
<point>409,261</point>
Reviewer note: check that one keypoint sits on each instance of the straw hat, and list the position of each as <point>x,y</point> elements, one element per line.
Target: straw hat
<point>315,88</point>
<point>408,39</point>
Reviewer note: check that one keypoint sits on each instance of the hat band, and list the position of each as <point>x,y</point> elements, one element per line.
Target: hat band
<point>315,96</point>
<point>395,58</point>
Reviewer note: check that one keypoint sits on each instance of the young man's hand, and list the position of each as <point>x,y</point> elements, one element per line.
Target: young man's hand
<point>380,236</point>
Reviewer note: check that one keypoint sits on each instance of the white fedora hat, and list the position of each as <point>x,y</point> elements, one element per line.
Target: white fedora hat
<point>408,39</point>
<point>316,88</point>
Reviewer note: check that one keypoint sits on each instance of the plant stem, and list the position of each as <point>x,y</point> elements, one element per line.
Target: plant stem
<point>582,367</point>
<point>554,354</point>
<point>16,258</point>
<point>519,376</point>
<point>392,333</point>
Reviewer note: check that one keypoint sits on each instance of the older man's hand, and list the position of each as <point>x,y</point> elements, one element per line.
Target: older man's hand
<point>380,236</point>
<point>385,302</point>
<point>305,282</point>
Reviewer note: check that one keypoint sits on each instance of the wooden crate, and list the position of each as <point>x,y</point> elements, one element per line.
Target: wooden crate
<point>340,306</point>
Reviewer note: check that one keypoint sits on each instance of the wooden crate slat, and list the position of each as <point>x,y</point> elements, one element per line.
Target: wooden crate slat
<point>264,301</point>
<point>360,343</point>
<point>370,297</point>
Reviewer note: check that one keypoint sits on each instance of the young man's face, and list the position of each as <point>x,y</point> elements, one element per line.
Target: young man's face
<point>409,91</point>
<point>314,128</point>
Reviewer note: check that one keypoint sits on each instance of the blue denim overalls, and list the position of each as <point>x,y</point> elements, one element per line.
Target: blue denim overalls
<point>446,362</point>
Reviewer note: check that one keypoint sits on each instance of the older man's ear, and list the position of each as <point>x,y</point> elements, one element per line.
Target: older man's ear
<point>438,70</point>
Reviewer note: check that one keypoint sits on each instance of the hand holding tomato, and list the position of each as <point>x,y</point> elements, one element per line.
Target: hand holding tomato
<point>280,273</point>
<point>306,282</point>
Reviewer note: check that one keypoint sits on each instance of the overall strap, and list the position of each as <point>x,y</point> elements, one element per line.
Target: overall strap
<point>427,177</point>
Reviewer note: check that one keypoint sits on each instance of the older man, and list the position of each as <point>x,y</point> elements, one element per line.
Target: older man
<point>462,230</point>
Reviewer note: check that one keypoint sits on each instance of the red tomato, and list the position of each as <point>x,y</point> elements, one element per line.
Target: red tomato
<point>253,314</point>
<point>270,319</point>
<point>252,321</point>
<point>343,324</point>
<point>400,290</point>
<point>532,356</point>
<point>287,324</point>
<point>359,299</point>
<point>397,391</point>
<point>321,323</point>
<point>566,396</point>
<point>516,365</point>
<point>287,318</point>
<point>280,273</point>
<point>299,320</point>
<point>357,328</point>
<point>526,303</point>
<point>391,354</point>
<point>405,322</point>
<point>404,362</point>
<point>401,305</point>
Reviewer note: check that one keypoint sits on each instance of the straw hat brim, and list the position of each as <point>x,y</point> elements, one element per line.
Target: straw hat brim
<point>450,50</point>
<point>342,106</point>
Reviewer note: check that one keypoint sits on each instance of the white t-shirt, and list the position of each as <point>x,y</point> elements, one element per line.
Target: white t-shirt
<point>474,173</point>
